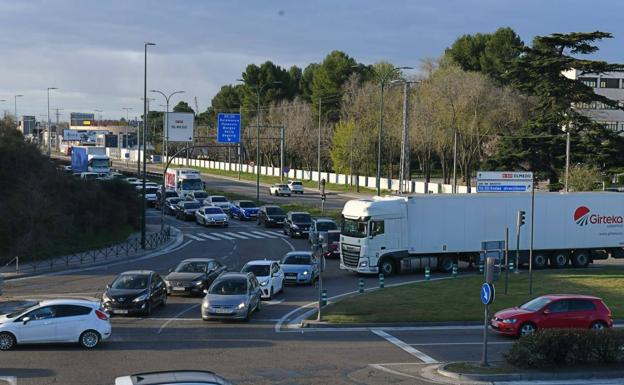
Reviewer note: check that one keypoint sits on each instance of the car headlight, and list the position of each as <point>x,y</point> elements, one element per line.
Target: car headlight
<point>241,305</point>
<point>205,304</point>
<point>141,298</point>
<point>305,272</point>
<point>264,283</point>
<point>295,227</point>
<point>105,298</point>
<point>199,282</point>
<point>510,321</point>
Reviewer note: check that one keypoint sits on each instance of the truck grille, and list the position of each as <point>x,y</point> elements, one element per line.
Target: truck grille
<point>350,255</point>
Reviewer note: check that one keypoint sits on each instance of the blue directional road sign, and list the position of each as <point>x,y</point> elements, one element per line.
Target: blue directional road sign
<point>228,128</point>
<point>487,293</point>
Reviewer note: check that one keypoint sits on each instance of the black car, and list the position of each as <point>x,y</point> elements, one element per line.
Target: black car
<point>168,194</point>
<point>297,224</point>
<point>170,205</point>
<point>271,216</point>
<point>193,276</point>
<point>138,291</point>
<point>185,210</point>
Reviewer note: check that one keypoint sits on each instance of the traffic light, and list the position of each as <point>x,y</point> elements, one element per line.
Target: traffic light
<point>521,218</point>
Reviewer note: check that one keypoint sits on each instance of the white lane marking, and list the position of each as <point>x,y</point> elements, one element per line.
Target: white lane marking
<point>208,236</point>
<point>180,247</point>
<point>273,302</point>
<point>279,234</point>
<point>462,343</point>
<point>407,348</point>
<point>606,381</point>
<point>292,248</point>
<point>247,234</point>
<point>266,235</point>
<point>387,370</point>
<point>194,237</point>
<point>176,316</point>
<point>237,235</point>
<point>223,236</point>
<point>183,319</point>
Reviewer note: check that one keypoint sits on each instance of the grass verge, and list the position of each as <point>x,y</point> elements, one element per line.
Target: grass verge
<point>458,299</point>
<point>475,368</point>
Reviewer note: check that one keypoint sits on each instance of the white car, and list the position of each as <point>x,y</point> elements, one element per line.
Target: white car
<point>53,321</point>
<point>219,201</point>
<point>269,274</point>
<point>279,189</point>
<point>295,186</point>
<point>132,180</point>
<point>211,216</point>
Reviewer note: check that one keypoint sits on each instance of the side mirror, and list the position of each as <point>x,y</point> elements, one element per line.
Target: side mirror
<point>25,320</point>
<point>107,286</point>
<point>546,312</point>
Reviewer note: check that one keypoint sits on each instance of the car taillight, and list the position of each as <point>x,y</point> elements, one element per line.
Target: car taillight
<point>101,315</point>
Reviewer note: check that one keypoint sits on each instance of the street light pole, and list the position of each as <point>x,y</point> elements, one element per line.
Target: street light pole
<point>15,105</point>
<point>144,143</point>
<point>318,161</point>
<point>49,128</point>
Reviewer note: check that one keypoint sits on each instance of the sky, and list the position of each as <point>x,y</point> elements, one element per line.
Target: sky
<point>92,50</point>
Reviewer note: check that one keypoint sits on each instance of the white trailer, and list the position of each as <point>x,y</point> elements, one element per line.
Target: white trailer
<point>394,234</point>
<point>184,180</point>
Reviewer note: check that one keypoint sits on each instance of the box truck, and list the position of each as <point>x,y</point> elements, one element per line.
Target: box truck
<point>183,180</point>
<point>89,159</point>
<point>398,234</point>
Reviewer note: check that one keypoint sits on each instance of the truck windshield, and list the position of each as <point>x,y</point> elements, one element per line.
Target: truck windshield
<point>99,163</point>
<point>192,184</point>
<point>354,228</point>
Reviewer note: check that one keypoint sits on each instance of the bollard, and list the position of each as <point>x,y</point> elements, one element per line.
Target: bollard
<point>381,281</point>
<point>480,267</point>
<point>511,266</point>
<point>427,273</point>
<point>454,270</point>
<point>324,297</point>
<point>361,285</point>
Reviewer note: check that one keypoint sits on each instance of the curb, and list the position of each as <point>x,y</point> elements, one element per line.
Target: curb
<point>531,376</point>
<point>323,324</point>
<point>175,239</point>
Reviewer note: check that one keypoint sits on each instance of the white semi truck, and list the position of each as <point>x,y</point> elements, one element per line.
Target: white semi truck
<point>398,234</point>
<point>184,180</point>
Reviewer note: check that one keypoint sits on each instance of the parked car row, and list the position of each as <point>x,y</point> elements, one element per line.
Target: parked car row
<point>280,189</point>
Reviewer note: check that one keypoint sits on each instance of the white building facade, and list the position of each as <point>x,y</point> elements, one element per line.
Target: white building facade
<point>609,84</point>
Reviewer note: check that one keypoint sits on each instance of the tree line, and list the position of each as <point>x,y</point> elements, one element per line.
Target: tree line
<point>503,102</point>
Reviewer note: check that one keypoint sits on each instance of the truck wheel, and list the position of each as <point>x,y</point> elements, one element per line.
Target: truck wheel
<point>580,258</point>
<point>540,260</point>
<point>387,267</point>
<point>446,264</point>
<point>559,259</point>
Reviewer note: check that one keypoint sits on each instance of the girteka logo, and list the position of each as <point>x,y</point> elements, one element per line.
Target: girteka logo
<point>583,217</point>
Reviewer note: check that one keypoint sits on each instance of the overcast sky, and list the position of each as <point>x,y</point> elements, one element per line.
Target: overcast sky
<point>92,50</point>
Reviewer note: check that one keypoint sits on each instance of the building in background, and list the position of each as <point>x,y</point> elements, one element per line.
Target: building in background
<point>609,84</point>
<point>27,125</point>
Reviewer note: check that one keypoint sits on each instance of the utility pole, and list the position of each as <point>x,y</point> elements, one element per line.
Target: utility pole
<point>405,172</point>
<point>455,161</point>
<point>49,128</point>
<point>144,144</point>
<point>282,140</point>
<point>318,161</point>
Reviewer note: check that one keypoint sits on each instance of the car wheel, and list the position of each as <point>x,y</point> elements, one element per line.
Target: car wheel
<point>89,339</point>
<point>559,259</point>
<point>7,341</point>
<point>271,294</point>
<point>226,224</point>
<point>290,233</point>
<point>598,325</point>
<point>580,258</point>
<point>284,231</point>
<point>164,300</point>
<point>526,329</point>
<point>148,309</point>
<point>247,315</point>
<point>259,306</point>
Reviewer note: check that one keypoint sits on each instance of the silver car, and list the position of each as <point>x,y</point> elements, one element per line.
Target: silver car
<point>232,296</point>
<point>318,231</point>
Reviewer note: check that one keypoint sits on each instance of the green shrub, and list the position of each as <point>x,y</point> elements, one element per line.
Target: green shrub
<point>567,347</point>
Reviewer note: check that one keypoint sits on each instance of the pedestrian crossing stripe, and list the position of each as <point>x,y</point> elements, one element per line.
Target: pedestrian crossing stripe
<point>193,237</point>
<point>266,234</point>
<point>208,236</point>
<point>227,237</point>
<point>241,235</point>
<point>252,235</point>
<point>237,235</point>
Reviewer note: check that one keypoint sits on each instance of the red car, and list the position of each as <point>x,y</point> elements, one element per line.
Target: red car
<point>553,311</point>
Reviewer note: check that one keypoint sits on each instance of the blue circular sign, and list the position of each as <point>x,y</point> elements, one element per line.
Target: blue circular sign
<point>487,293</point>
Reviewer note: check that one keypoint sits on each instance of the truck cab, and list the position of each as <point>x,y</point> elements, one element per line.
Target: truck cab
<point>184,181</point>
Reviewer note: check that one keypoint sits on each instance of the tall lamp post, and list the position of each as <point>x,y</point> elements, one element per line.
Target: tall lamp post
<point>259,90</point>
<point>566,129</point>
<point>144,143</point>
<point>49,128</point>
<point>383,78</point>
<point>404,166</point>
<point>166,129</point>
<point>15,107</point>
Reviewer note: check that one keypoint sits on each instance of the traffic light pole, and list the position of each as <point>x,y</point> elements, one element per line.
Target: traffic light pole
<point>519,223</point>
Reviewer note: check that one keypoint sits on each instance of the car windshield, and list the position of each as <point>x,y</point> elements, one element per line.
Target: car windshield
<point>296,183</point>
<point>170,194</point>
<point>213,210</point>
<point>297,259</point>
<point>14,308</point>
<point>99,163</point>
<point>151,190</point>
<point>200,195</point>
<point>230,286</point>
<point>274,211</point>
<point>191,205</point>
<point>258,270</point>
<point>131,282</point>
<point>302,218</point>
<point>174,201</point>
<point>218,199</point>
<point>536,304</point>
<point>192,184</point>
<point>247,204</point>
<point>192,267</point>
<point>326,226</point>
<point>354,228</point>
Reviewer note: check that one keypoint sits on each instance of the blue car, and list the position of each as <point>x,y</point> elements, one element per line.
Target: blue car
<point>300,267</point>
<point>244,210</point>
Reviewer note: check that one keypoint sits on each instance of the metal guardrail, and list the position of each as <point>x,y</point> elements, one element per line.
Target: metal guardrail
<point>130,247</point>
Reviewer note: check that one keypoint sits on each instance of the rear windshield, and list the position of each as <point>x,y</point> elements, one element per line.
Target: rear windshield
<point>200,195</point>
<point>296,183</point>
<point>218,199</point>
<point>151,190</point>
<point>282,186</point>
<point>213,210</point>
<point>191,205</point>
<point>274,211</point>
<point>302,218</point>
<point>258,270</point>
<point>169,194</point>
<point>229,286</point>
<point>246,204</point>
<point>174,201</point>
<point>297,259</point>
<point>326,226</point>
